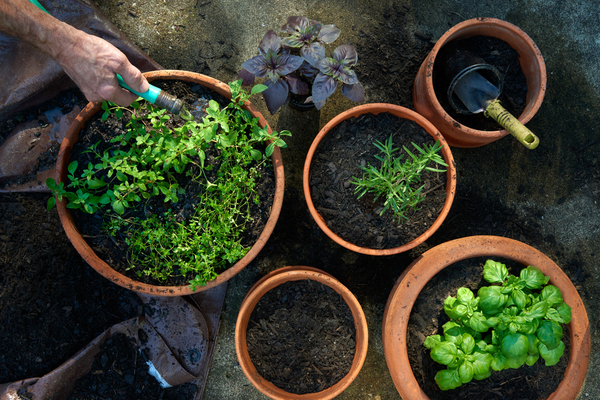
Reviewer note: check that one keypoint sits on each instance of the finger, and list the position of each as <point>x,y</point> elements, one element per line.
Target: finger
<point>133,77</point>
<point>123,97</point>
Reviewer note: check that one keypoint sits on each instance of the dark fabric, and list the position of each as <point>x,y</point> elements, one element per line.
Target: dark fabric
<point>30,77</point>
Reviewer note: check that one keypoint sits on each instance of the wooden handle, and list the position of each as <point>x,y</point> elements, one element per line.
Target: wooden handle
<point>495,111</point>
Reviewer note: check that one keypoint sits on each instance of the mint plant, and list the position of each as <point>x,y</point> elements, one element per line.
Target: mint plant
<point>524,314</point>
<point>395,179</point>
<point>148,160</point>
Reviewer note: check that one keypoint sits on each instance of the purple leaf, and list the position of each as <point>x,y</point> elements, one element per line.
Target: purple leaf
<point>308,70</point>
<point>319,104</point>
<point>313,52</point>
<point>292,41</point>
<point>257,66</point>
<point>328,66</point>
<point>295,24</point>
<point>323,87</point>
<point>346,54</point>
<point>354,92</point>
<point>287,64</point>
<point>247,77</point>
<point>296,85</point>
<point>269,42</point>
<point>347,76</point>
<point>276,95</point>
<point>329,33</point>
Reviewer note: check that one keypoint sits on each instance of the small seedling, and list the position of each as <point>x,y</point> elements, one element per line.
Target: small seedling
<point>395,179</point>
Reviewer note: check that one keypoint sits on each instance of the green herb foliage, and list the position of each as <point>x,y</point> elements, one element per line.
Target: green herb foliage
<point>524,314</point>
<point>396,179</point>
<point>146,161</point>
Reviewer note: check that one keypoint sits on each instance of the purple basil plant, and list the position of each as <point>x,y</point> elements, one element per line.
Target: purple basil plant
<point>295,63</point>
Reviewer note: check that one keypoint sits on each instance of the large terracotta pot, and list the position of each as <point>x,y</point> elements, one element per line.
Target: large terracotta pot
<point>402,112</point>
<point>427,104</point>
<point>273,280</point>
<point>415,277</point>
<point>100,265</point>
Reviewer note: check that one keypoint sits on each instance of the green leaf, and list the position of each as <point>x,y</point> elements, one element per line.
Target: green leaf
<point>514,345</point>
<point>551,357</point>
<point>258,88</point>
<point>531,359</point>
<point>448,379</point>
<point>465,371</point>
<point>72,167</point>
<point>478,322</point>
<point>118,207</point>
<point>564,310</point>
<point>552,295</point>
<point>51,203</point>
<point>550,334</point>
<point>491,299</point>
<point>465,295</point>
<point>533,277</point>
<point>468,343</point>
<point>444,353</point>
<point>270,149</point>
<point>494,272</point>
<point>538,310</point>
<point>432,341</point>
<point>256,155</point>
<point>519,299</point>
<point>481,365</point>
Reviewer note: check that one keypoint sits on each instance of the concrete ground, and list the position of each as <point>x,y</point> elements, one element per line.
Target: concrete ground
<point>555,188</point>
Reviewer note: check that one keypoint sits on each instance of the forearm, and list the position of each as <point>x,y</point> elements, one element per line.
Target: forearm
<point>22,19</point>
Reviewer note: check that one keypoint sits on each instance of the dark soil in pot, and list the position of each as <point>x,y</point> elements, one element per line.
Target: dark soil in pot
<point>301,337</point>
<point>499,54</point>
<point>339,157</point>
<point>120,372</point>
<point>113,249</point>
<point>427,317</point>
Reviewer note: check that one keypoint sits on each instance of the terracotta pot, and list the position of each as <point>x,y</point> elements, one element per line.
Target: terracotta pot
<point>272,280</point>
<point>377,108</point>
<point>427,104</point>
<point>100,265</point>
<point>415,277</point>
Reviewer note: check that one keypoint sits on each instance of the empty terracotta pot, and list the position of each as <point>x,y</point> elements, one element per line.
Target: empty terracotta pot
<point>273,280</point>
<point>100,265</point>
<point>532,63</point>
<point>415,277</point>
<point>402,112</point>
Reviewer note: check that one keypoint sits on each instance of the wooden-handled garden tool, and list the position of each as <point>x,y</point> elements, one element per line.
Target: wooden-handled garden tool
<point>480,94</point>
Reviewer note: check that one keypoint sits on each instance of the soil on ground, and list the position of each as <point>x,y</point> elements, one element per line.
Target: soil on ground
<point>120,372</point>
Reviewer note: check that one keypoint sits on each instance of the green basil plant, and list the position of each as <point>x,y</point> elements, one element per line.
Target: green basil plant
<point>520,316</point>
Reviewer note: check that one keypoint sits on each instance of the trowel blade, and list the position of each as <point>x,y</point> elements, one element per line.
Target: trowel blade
<point>475,91</point>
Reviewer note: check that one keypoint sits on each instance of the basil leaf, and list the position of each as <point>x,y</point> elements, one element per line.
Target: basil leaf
<point>494,272</point>
<point>533,277</point>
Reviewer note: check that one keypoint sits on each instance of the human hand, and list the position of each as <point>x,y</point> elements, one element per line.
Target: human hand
<point>93,63</point>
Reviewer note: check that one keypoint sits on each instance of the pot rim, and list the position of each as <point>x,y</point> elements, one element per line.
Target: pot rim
<point>483,26</point>
<point>402,112</point>
<point>272,280</point>
<point>415,277</point>
<point>100,265</point>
